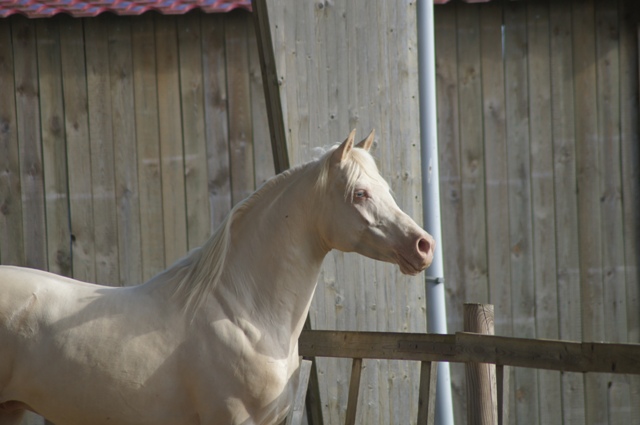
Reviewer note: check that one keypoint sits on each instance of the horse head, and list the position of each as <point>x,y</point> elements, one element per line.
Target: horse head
<point>361,214</point>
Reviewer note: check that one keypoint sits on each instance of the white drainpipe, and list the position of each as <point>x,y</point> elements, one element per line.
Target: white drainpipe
<point>436,311</point>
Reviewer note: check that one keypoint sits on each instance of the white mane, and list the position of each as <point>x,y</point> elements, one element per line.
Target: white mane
<point>200,271</point>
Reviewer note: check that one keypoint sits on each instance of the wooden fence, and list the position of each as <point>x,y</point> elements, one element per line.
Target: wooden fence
<point>470,349</point>
<point>539,155</point>
<point>127,141</point>
<point>124,141</point>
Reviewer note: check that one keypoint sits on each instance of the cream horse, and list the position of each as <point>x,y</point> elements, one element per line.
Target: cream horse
<point>213,339</point>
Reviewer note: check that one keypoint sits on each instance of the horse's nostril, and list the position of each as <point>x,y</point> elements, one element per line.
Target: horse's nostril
<point>424,246</point>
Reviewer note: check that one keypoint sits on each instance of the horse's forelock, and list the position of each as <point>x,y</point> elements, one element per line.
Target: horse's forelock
<point>360,162</point>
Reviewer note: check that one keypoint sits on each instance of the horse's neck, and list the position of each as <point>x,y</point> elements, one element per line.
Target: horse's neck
<point>272,267</point>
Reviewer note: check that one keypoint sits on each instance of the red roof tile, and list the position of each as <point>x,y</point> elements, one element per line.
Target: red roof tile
<point>78,8</point>
<point>466,1</point>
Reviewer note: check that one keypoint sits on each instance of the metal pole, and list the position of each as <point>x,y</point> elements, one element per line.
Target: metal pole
<point>436,312</point>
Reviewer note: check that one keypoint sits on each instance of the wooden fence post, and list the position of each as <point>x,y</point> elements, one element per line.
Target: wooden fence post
<point>482,400</point>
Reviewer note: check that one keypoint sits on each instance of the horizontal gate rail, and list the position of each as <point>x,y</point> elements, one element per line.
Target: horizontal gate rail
<point>465,347</point>
<point>486,384</point>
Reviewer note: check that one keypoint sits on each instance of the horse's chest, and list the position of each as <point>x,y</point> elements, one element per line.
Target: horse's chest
<point>249,372</point>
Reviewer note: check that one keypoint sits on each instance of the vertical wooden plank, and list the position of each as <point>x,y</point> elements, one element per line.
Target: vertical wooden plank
<point>102,151</point>
<point>502,388</point>
<point>262,150</point>
<point>171,143</point>
<point>192,100</point>
<point>216,117</point>
<point>299,33</point>
<point>496,163</point>
<point>74,85</point>
<point>613,261</point>
<point>589,214</point>
<point>283,28</point>
<point>542,200</point>
<point>564,169</point>
<point>427,395</point>
<point>450,184</point>
<point>29,141</point>
<point>520,202</point>
<point>495,160</point>
<point>472,154</point>
<point>630,157</point>
<point>53,147</point>
<point>354,391</point>
<point>334,21</point>
<point>630,154</point>
<point>608,83</point>
<point>296,414</point>
<point>473,284</point>
<point>240,131</point>
<point>125,152</point>
<point>148,146</point>
<point>11,232</point>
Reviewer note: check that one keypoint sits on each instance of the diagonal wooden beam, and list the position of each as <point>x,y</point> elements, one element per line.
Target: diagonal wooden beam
<point>281,158</point>
<point>271,86</point>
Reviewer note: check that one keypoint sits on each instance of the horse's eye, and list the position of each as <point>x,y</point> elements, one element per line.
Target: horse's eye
<point>360,194</point>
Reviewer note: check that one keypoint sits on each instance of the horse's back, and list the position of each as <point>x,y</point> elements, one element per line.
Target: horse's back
<point>112,342</point>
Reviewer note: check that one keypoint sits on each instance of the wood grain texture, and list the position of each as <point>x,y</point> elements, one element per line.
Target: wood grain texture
<point>342,66</point>
<point>354,391</point>
<point>76,123</point>
<point>466,347</point>
<point>11,233</point>
<point>427,395</point>
<point>193,131</point>
<point>520,201</point>
<point>482,398</point>
<point>495,160</point>
<point>238,89</point>
<point>630,155</point>
<point>125,153</point>
<point>102,152</point>
<point>472,168</point>
<point>567,235</point>
<point>216,117</point>
<point>263,156</point>
<point>29,141</point>
<point>54,151</point>
<point>148,146</point>
<point>542,199</point>
<point>171,143</point>
<point>273,103</point>
<point>589,175</point>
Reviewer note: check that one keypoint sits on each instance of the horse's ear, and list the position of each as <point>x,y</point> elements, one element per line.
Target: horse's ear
<point>342,153</point>
<point>367,141</point>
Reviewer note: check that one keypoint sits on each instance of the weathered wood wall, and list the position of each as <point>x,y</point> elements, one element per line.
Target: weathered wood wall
<point>124,141</point>
<point>344,65</point>
<point>538,132</point>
